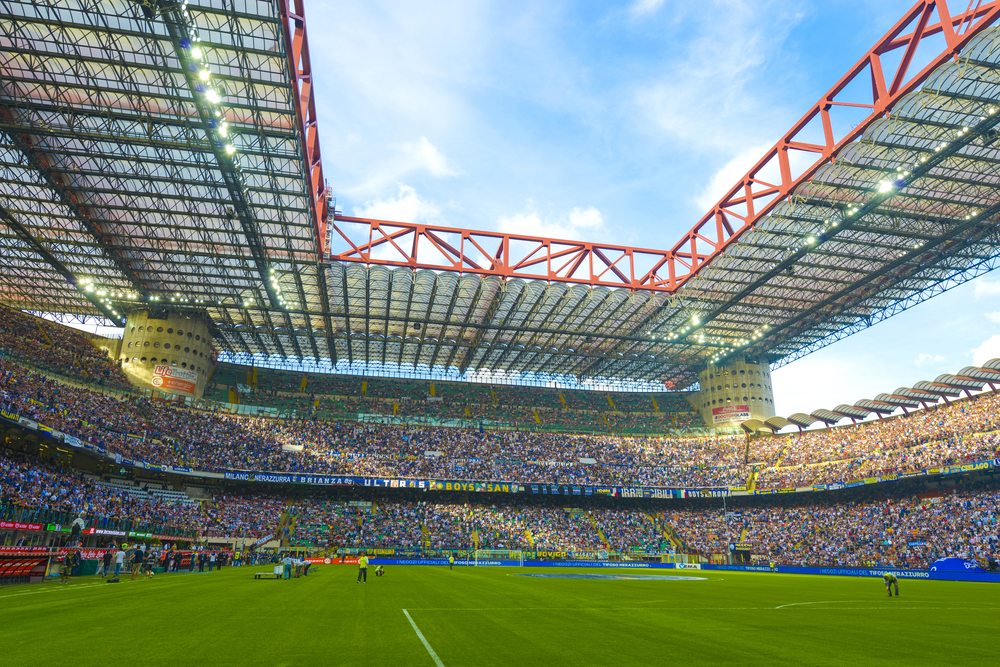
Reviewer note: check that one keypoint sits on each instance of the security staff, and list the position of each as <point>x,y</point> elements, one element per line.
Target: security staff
<point>363,569</point>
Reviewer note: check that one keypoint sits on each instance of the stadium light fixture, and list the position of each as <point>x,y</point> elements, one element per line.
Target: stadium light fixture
<point>213,96</point>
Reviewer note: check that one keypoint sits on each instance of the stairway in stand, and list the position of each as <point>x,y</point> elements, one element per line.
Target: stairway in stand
<point>600,533</point>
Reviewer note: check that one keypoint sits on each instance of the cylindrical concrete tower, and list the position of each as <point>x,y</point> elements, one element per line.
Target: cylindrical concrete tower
<point>734,391</point>
<point>168,351</point>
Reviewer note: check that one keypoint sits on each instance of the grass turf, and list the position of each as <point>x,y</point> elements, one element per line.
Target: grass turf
<point>490,616</point>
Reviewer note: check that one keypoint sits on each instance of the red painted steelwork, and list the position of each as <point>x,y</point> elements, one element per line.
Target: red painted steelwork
<point>507,255</point>
<point>753,197</point>
<point>769,182</point>
<point>293,26</point>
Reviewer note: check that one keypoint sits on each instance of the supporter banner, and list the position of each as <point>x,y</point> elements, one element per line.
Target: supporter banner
<point>51,432</point>
<point>642,492</point>
<point>731,413</point>
<point>262,540</point>
<point>10,416</point>
<point>176,380</point>
<point>483,487</point>
<point>17,525</point>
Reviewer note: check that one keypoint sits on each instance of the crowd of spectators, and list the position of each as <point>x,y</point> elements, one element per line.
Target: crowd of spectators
<point>57,349</point>
<point>519,406</point>
<point>875,528</point>
<point>908,531</point>
<point>34,491</point>
<point>162,433</point>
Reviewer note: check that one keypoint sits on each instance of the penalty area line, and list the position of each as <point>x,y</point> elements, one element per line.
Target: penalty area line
<point>423,640</point>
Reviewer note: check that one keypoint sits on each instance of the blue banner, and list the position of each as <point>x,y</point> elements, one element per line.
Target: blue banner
<point>864,572</point>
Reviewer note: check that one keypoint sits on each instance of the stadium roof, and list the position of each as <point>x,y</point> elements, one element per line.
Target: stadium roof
<point>160,152</point>
<point>120,187</point>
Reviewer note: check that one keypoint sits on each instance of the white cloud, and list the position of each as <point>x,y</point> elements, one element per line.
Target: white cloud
<point>580,223</point>
<point>990,349</point>
<point>718,95</point>
<point>727,176</point>
<point>405,206</point>
<point>398,161</point>
<point>985,288</point>
<point>426,155</point>
<point>645,7</point>
<point>994,316</point>
<point>923,359</point>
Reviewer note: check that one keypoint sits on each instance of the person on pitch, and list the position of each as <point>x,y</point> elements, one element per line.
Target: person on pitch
<point>379,571</point>
<point>362,568</point>
<point>890,583</point>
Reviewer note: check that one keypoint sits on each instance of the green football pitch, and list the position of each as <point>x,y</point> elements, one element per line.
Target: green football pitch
<point>425,615</point>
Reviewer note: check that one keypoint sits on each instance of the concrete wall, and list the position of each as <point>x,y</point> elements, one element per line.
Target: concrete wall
<point>113,346</point>
<point>739,381</point>
<point>173,339</point>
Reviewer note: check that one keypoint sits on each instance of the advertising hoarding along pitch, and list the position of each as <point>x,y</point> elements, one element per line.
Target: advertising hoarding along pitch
<point>176,380</point>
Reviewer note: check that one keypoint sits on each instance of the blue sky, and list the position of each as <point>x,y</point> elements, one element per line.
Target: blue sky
<point>610,121</point>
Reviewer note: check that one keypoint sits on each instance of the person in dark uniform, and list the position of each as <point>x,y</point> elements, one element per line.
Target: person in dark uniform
<point>105,567</point>
<point>75,529</point>
<point>137,559</point>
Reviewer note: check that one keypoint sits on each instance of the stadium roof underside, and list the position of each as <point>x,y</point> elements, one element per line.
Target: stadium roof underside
<point>900,212</point>
<point>161,152</point>
<point>116,178</point>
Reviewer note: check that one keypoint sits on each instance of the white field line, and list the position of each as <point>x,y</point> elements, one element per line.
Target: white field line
<point>423,640</point>
<point>799,604</point>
